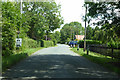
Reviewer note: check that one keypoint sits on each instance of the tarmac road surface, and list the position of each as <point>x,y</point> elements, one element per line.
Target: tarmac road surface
<point>57,62</point>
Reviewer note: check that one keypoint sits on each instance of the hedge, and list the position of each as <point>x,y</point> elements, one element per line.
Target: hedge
<point>30,43</point>
<point>46,43</point>
<point>55,42</point>
<point>113,44</point>
<point>81,42</point>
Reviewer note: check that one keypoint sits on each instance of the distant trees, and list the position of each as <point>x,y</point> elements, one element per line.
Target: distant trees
<point>69,31</point>
<point>56,36</point>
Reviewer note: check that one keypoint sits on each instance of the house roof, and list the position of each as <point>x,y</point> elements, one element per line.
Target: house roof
<point>79,37</point>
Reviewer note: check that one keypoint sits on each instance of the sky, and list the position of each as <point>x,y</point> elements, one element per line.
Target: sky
<point>71,10</point>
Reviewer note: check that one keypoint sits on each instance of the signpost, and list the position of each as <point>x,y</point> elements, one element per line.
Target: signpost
<point>19,40</point>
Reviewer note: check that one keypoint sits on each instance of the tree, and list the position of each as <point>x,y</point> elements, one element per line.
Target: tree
<point>105,15</point>
<point>57,36</point>
<point>89,33</point>
<point>43,17</point>
<point>69,31</point>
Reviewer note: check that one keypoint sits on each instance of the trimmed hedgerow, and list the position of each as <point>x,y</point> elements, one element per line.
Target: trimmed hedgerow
<point>46,43</point>
<point>88,42</point>
<point>113,44</point>
<point>30,43</point>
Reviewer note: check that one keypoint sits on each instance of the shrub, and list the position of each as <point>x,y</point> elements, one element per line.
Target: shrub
<point>10,23</point>
<point>46,43</point>
<point>12,59</point>
<point>113,44</point>
<point>30,43</point>
<point>81,42</point>
<point>55,41</point>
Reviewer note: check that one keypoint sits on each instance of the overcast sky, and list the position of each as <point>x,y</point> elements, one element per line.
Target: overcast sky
<point>72,10</point>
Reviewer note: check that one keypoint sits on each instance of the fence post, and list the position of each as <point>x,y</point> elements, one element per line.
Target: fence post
<point>78,47</point>
<point>112,52</point>
<point>87,49</point>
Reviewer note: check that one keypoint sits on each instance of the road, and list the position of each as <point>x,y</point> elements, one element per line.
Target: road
<point>57,62</point>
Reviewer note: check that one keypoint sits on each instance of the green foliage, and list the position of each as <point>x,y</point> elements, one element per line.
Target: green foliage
<point>70,30</point>
<point>42,17</point>
<point>30,43</point>
<point>113,44</point>
<point>102,34</point>
<point>12,59</point>
<point>36,20</point>
<point>89,32</point>
<point>88,42</point>
<point>68,40</point>
<point>11,19</point>
<point>55,37</point>
<point>108,18</point>
<point>46,43</point>
<point>55,41</point>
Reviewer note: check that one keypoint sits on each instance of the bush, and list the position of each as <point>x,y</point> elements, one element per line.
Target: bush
<point>8,39</point>
<point>46,43</point>
<point>12,59</point>
<point>55,41</point>
<point>10,23</point>
<point>30,43</point>
<point>113,44</point>
<point>88,42</point>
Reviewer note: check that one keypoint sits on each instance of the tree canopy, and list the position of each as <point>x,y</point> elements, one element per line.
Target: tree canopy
<point>43,17</point>
<point>106,16</point>
<point>37,20</point>
<point>69,31</point>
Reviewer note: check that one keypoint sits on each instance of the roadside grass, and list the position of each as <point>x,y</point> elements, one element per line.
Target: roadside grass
<point>100,59</point>
<point>13,59</point>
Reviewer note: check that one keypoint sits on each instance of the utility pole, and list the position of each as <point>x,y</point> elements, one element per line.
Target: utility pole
<point>85,29</point>
<point>21,8</point>
<point>18,32</point>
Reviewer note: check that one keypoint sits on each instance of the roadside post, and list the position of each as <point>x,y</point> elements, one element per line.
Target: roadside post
<point>112,52</point>
<point>87,49</point>
<point>78,47</point>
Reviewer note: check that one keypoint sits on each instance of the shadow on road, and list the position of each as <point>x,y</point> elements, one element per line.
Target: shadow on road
<point>58,66</point>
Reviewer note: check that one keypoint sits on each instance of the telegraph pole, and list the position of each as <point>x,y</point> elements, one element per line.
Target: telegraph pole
<point>85,29</point>
<point>21,8</point>
<point>18,32</point>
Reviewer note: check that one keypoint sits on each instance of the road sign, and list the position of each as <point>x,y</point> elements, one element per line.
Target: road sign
<point>18,42</point>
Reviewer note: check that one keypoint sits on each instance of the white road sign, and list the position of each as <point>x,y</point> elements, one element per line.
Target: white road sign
<point>18,42</point>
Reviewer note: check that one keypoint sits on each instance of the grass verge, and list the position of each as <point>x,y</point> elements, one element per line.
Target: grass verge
<point>100,59</point>
<point>11,60</point>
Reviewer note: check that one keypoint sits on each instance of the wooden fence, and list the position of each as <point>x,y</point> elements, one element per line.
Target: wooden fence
<point>104,50</point>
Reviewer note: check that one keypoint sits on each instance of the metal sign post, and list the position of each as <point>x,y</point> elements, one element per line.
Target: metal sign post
<point>19,40</point>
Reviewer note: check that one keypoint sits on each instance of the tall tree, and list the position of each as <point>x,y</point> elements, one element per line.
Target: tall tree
<point>44,17</point>
<point>89,33</point>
